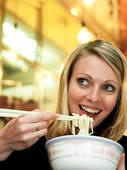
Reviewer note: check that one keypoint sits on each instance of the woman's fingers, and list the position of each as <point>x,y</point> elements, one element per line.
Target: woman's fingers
<point>25,130</point>
<point>40,133</point>
<point>121,165</point>
<point>31,127</point>
<point>38,117</point>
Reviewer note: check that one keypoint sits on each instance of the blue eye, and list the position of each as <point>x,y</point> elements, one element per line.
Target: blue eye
<point>82,81</point>
<point>109,88</point>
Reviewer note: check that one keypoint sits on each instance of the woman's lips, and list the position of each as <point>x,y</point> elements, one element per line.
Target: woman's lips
<point>89,111</point>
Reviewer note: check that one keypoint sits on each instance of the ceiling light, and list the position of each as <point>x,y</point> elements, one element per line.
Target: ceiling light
<point>84,35</point>
<point>89,2</point>
<point>47,80</point>
<point>10,56</point>
<point>74,12</point>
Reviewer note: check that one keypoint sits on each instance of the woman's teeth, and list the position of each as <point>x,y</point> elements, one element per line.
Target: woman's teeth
<point>89,110</point>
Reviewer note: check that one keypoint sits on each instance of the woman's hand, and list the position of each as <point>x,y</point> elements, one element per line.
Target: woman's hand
<point>121,165</point>
<point>23,131</point>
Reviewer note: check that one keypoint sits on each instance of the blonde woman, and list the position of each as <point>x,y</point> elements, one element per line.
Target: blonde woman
<point>93,82</point>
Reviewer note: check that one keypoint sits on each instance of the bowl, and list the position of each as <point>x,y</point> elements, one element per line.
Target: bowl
<point>80,152</point>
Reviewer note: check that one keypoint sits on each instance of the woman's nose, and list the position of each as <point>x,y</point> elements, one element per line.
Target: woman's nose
<point>93,95</point>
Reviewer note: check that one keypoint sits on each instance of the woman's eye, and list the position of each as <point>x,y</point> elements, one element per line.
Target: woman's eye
<point>109,88</point>
<point>82,81</point>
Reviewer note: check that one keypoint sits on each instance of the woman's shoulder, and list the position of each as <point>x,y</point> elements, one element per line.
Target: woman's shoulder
<point>123,141</point>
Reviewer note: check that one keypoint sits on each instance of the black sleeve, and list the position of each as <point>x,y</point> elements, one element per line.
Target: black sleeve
<point>35,157</point>
<point>123,142</point>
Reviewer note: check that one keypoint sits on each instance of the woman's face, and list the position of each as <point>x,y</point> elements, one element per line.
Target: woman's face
<point>93,88</point>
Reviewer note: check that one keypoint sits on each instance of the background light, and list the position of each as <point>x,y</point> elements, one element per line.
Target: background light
<point>74,12</point>
<point>89,2</point>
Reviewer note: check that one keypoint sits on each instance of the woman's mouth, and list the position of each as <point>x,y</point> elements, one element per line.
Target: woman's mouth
<point>91,112</point>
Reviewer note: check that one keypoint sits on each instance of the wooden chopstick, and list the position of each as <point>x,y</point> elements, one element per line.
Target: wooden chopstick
<point>15,113</point>
<point>64,117</point>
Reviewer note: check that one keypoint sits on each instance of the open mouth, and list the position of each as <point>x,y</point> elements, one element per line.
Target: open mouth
<point>89,111</point>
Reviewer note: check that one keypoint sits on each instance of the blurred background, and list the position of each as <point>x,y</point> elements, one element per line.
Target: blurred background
<point>36,36</point>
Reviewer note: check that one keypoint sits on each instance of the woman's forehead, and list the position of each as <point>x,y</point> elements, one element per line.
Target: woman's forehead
<point>94,66</point>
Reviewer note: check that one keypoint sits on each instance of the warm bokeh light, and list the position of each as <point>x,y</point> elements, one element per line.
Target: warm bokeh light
<point>84,35</point>
<point>47,80</point>
<point>74,11</point>
<point>10,56</point>
<point>89,2</point>
<point>19,41</point>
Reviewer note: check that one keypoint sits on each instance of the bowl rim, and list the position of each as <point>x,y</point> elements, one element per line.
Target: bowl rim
<point>84,137</point>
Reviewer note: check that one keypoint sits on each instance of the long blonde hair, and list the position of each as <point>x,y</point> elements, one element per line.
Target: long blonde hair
<point>117,120</point>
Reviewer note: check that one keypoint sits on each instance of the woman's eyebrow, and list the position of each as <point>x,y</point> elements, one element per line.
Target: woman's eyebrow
<point>84,74</point>
<point>113,81</point>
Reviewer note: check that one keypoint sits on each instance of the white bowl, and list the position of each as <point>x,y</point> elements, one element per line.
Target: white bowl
<point>80,152</point>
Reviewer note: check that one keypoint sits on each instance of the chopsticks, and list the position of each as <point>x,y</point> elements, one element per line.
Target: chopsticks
<point>64,117</point>
<point>15,113</point>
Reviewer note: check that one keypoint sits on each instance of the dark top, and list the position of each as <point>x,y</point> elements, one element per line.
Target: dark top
<point>123,142</point>
<point>37,158</point>
<point>34,157</point>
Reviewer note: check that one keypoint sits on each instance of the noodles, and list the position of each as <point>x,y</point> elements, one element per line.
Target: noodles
<point>83,123</point>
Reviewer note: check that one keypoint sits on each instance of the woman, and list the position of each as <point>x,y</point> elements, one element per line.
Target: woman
<point>93,82</point>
